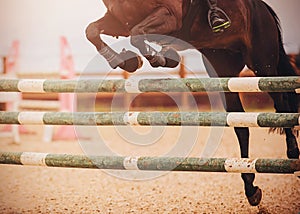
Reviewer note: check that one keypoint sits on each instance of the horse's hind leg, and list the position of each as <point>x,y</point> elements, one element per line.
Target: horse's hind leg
<point>286,102</point>
<point>267,57</point>
<point>229,64</point>
<point>281,106</point>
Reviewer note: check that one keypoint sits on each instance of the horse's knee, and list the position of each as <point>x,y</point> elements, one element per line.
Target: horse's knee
<point>92,33</point>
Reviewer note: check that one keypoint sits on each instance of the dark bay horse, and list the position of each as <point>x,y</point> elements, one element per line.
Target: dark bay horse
<point>254,39</point>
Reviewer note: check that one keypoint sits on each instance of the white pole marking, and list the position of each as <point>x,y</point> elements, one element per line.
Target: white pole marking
<point>131,163</point>
<point>244,84</point>
<point>31,118</point>
<point>34,159</point>
<point>240,165</point>
<point>132,86</point>
<point>131,118</point>
<point>242,119</point>
<point>31,85</point>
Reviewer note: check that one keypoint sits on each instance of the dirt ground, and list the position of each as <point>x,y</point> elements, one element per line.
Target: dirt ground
<point>26,189</point>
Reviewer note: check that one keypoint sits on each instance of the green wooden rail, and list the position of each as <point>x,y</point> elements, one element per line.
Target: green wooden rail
<point>235,165</point>
<point>243,84</point>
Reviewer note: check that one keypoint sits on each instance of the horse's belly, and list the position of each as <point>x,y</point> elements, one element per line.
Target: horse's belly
<point>130,12</point>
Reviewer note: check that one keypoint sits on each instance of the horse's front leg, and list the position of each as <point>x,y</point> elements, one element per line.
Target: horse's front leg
<point>160,22</point>
<point>224,63</point>
<point>108,25</point>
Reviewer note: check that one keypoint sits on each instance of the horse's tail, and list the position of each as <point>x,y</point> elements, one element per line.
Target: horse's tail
<point>284,66</point>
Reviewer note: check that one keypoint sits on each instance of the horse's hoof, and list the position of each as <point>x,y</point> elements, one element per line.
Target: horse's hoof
<point>172,58</point>
<point>293,153</point>
<point>132,61</point>
<point>255,199</point>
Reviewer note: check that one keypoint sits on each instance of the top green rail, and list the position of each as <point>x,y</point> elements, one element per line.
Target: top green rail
<point>242,84</point>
